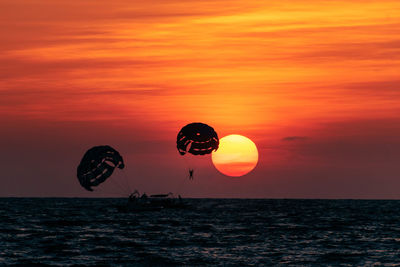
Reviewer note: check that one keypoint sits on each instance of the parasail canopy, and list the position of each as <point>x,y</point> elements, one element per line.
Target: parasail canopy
<point>197,138</point>
<point>97,165</point>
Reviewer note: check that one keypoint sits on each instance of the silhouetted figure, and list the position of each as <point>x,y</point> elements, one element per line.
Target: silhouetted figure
<point>191,174</point>
<point>132,197</point>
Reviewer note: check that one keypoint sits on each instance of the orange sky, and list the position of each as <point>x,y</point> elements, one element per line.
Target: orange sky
<point>315,86</point>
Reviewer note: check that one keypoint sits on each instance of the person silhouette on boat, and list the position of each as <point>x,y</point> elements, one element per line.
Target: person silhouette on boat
<point>134,196</point>
<point>191,174</point>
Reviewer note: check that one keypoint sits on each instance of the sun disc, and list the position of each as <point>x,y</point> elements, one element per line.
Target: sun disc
<point>236,156</point>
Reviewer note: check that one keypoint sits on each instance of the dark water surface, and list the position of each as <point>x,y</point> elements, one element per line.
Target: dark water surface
<point>223,232</point>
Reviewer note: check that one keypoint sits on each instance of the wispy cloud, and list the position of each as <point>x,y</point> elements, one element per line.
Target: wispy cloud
<point>265,71</point>
<point>294,138</point>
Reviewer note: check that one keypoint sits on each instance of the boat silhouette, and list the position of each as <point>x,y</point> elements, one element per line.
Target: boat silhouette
<point>156,202</point>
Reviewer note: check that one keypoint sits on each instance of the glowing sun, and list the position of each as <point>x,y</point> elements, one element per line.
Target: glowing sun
<point>237,155</point>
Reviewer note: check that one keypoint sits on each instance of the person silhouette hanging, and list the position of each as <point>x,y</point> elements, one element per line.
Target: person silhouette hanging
<point>191,174</point>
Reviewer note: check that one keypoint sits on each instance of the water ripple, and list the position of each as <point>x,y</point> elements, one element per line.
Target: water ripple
<point>225,232</point>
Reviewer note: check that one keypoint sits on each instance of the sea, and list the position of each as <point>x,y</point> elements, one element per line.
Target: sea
<point>212,232</point>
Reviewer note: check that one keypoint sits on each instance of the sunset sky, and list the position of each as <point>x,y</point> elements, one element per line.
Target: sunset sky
<point>315,85</point>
